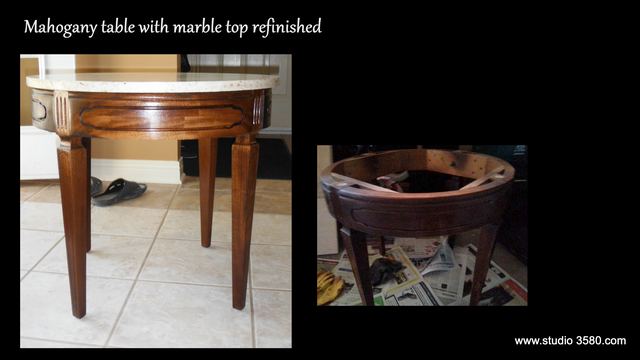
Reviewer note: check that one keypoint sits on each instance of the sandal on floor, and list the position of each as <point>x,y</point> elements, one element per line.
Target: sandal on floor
<point>95,185</point>
<point>119,190</point>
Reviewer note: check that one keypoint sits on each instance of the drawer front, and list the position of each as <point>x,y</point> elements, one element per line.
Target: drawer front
<point>150,116</point>
<point>42,115</point>
<point>162,119</point>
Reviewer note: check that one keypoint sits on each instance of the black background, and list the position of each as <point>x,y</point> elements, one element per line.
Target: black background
<point>474,75</point>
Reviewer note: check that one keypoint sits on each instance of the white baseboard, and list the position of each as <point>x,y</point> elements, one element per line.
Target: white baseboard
<point>146,171</point>
<point>38,160</point>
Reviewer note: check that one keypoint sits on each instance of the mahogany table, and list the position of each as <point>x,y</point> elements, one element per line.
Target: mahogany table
<point>153,106</point>
<point>364,208</point>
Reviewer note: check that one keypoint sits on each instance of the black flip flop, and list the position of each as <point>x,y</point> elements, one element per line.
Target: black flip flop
<point>96,186</point>
<point>119,190</point>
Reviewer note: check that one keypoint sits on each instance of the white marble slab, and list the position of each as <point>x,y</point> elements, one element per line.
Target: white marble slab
<point>151,82</point>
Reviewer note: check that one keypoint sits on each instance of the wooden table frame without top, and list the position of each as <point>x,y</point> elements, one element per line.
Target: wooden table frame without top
<point>362,208</point>
<point>78,116</point>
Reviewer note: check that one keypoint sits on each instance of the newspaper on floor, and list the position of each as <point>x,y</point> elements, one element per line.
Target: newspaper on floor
<point>420,248</point>
<point>404,278</point>
<point>499,288</point>
<point>419,294</point>
<point>350,294</point>
<point>407,287</point>
<point>449,285</point>
<point>443,260</point>
<point>325,264</point>
<point>507,293</point>
<point>427,254</point>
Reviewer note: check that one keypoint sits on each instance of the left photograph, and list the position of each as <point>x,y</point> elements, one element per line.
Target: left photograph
<point>155,200</point>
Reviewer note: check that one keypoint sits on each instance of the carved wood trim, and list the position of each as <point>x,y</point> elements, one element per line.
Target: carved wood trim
<point>258,110</point>
<point>266,117</point>
<point>62,112</point>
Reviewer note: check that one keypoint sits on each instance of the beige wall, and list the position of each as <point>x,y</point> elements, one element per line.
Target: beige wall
<point>131,149</point>
<point>27,67</point>
<point>131,63</point>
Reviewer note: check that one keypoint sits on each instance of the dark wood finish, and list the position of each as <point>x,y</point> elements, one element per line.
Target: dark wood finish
<point>355,243</point>
<point>78,116</point>
<point>153,116</point>
<point>208,151</point>
<point>365,209</point>
<point>485,245</point>
<point>244,159</point>
<point>73,164</point>
<point>86,142</point>
<point>416,214</point>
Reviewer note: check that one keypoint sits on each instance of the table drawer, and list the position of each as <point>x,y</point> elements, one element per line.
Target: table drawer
<point>42,110</point>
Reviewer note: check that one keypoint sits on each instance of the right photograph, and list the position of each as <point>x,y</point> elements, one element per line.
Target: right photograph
<point>422,225</point>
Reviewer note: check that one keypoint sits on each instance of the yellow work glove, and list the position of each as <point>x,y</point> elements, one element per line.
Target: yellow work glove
<point>328,287</point>
<point>324,279</point>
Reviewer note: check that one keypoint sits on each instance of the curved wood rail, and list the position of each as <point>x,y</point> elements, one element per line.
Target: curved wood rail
<point>175,116</point>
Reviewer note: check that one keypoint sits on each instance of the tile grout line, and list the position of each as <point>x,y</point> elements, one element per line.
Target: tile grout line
<point>54,245</point>
<point>137,277</point>
<point>184,283</point>
<point>140,280</point>
<point>254,339</point>
<point>220,242</point>
<point>42,258</point>
<point>95,233</point>
<point>135,281</point>
<point>272,289</point>
<point>35,193</point>
<point>56,341</point>
<point>225,190</point>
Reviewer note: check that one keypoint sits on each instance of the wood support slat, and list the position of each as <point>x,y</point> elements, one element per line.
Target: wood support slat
<point>493,173</point>
<point>351,181</point>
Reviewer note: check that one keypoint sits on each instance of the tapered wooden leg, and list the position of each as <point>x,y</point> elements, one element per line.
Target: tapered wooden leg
<point>355,242</point>
<point>486,240</point>
<point>86,142</point>
<point>207,154</point>
<point>73,163</point>
<point>244,158</point>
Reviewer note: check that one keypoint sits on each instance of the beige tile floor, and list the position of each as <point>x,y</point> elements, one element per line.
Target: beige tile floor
<point>150,283</point>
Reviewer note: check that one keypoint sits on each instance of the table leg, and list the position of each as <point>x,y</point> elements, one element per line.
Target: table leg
<point>86,142</point>
<point>208,151</point>
<point>73,165</point>
<point>244,159</point>
<point>355,243</point>
<point>486,240</point>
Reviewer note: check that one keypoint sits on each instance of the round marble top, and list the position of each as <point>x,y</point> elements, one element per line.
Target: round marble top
<point>151,82</point>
